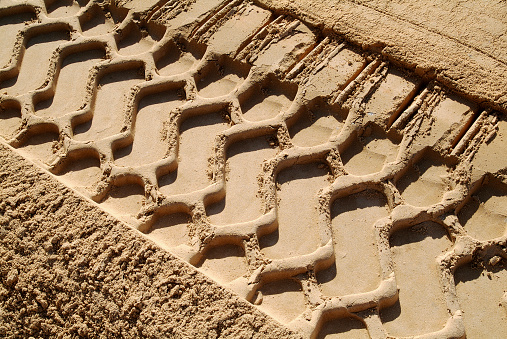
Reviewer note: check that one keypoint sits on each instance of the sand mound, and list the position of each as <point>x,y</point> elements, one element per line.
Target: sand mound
<point>333,190</point>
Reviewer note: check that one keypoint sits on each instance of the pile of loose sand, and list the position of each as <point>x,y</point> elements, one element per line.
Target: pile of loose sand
<point>339,178</point>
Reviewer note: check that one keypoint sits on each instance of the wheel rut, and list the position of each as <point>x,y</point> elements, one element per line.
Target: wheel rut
<point>310,177</point>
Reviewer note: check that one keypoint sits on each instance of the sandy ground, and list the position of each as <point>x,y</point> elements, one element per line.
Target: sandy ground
<point>460,43</point>
<point>69,269</point>
<point>324,180</point>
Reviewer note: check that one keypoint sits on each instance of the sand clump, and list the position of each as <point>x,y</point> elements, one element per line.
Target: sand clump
<point>298,170</point>
<point>68,269</point>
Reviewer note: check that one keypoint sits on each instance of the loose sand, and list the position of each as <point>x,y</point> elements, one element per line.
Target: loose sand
<point>69,269</point>
<point>247,169</point>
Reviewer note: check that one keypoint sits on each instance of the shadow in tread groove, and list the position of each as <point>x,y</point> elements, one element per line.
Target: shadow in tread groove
<point>82,172</point>
<point>35,63</point>
<point>125,199</point>
<point>244,161</point>
<point>480,292</point>
<point>149,129</point>
<point>484,216</point>
<point>415,250</point>
<point>41,145</point>
<point>425,182</point>
<point>176,58</point>
<point>171,230</point>
<point>97,22</point>
<point>343,328</point>
<point>196,142</point>
<point>224,263</point>
<point>109,104</point>
<point>137,40</point>
<point>265,100</point>
<point>220,77</point>
<point>297,196</point>
<point>369,152</point>
<point>71,84</point>
<point>10,120</point>
<point>316,124</point>
<point>357,267</point>
<point>9,27</point>
<point>282,299</point>
<point>64,8</point>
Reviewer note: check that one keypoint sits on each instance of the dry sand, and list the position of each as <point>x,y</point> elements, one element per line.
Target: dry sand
<point>462,44</point>
<point>69,269</point>
<point>345,180</point>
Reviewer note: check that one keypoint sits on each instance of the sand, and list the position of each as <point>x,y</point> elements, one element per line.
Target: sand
<point>246,169</point>
<point>69,269</point>
<point>462,44</point>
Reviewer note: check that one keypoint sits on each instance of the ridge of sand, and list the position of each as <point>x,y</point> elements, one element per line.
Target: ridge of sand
<point>460,43</point>
<point>69,269</point>
<point>297,170</point>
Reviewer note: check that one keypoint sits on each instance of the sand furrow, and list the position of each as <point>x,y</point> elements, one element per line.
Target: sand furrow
<point>337,192</point>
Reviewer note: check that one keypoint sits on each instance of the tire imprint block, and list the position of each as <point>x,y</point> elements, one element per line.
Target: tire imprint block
<point>338,125</point>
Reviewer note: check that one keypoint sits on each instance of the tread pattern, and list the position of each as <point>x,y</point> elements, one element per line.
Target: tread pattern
<point>315,102</point>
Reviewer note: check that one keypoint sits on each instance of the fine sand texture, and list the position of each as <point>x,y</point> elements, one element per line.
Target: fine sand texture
<point>213,168</point>
<point>70,270</point>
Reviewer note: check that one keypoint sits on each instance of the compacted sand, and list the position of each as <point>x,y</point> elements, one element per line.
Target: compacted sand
<point>215,168</point>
